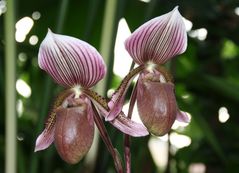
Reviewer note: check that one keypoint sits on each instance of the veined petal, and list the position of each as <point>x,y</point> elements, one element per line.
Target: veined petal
<point>121,122</point>
<point>70,61</point>
<point>117,100</point>
<point>128,126</point>
<point>182,117</point>
<point>159,39</point>
<point>45,139</point>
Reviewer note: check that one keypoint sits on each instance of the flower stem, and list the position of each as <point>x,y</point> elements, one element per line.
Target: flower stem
<point>105,137</point>
<point>127,153</point>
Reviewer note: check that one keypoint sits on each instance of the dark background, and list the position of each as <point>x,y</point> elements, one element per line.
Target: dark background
<point>207,73</point>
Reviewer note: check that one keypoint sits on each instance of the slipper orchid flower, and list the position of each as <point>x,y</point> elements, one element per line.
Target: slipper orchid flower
<point>77,66</point>
<point>151,45</point>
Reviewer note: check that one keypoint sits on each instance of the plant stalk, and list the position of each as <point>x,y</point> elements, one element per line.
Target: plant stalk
<point>105,137</point>
<point>127,152</point>
<point>10,82</point>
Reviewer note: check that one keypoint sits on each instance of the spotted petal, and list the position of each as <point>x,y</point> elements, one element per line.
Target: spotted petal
<point>159,39</point>
<point>117,100</point>
<point>121,122</point>
<point>45,139</point>
<point>70,61</point>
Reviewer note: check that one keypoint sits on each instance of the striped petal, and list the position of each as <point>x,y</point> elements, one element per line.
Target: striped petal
<point>121,122</point>
<point>70,61</point>
<point>159,39</point>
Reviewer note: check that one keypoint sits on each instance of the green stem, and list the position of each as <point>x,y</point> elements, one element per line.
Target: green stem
<point>10,97</point>
<point>107,39</point>
<point>62,15</point>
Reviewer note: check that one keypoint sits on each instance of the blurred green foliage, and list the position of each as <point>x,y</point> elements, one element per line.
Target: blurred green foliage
<point>208,73</point>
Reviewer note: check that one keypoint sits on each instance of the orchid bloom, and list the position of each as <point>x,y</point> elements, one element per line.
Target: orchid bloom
<point>77,66</point>
<point>151,45</point>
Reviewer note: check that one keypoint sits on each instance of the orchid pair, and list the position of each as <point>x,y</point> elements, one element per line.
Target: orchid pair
<point>78,66</point>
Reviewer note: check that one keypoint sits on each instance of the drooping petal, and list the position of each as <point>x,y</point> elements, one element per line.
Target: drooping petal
<point>74,132</point>
<point>159,39</point>
<point>117,100</point>
<point>70,61</point>
<point>121,122</point>
<point>45,139</point>
<point>156,105</point>
<point>182,116</point>
<point>129,126</point>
